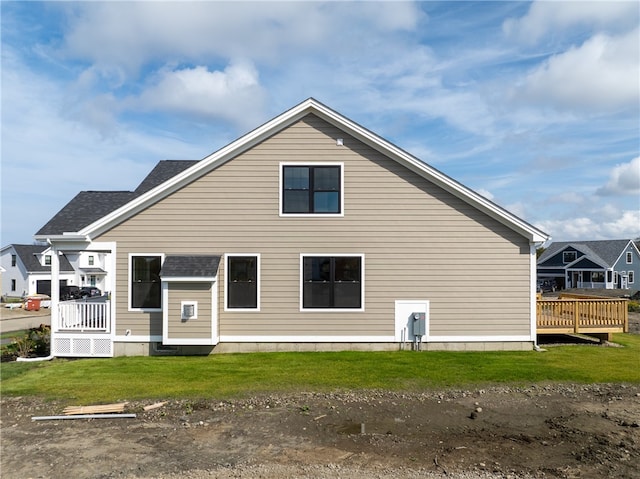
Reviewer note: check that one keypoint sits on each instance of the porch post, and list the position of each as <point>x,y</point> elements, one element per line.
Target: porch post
<point>55,288</point>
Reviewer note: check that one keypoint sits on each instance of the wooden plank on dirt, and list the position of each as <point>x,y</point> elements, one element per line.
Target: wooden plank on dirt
<point>97,409</point>
<point>154,406</point>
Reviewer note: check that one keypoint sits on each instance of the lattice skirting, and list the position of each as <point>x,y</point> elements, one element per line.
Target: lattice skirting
<point>82,346</point>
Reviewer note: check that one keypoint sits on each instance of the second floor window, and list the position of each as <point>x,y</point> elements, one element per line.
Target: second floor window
<point>91,260</point>
<point>311,189</point>
<point>569,257</point>
<point>629,257</point>
<point>47,260</point>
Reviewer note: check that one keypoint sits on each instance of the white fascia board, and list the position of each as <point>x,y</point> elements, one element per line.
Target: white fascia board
<point>208,163</point>
<point>188,279</point>
<point>417,166</point>
<point>71,237</point>
<point>282,121</point>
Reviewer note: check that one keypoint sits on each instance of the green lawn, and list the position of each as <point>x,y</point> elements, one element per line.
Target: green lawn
<point>90,381</point>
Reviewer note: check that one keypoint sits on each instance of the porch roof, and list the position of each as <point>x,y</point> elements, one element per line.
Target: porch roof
<point>190,266</point>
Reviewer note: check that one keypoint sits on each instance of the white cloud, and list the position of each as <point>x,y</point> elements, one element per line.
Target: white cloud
<point>48,156</point>
<point>546,17</point>
<point>624,180</point>
<point>622,225</point>
<point>132,34</point>
<point>234,94</point>
<point>602,74</point>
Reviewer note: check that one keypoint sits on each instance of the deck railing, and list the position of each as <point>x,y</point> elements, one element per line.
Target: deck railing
<point>572,315</point>
<point>84,316</point>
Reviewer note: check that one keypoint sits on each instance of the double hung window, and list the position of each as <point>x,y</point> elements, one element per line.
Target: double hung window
<point>242,282</point>
<point>145,292</point>
<point>332,282</point>
<point>311,189</point>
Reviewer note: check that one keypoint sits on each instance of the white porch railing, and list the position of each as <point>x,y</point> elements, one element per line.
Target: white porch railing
<point>84,316</point>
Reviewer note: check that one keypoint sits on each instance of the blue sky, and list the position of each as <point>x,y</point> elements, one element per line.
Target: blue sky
<point>535,105</point>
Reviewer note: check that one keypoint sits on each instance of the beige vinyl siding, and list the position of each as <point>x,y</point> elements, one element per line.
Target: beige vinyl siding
<point>418,241</point>
<point>194,328</point>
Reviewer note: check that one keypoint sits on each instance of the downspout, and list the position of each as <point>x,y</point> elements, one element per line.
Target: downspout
<point>533,267</point>
<point>55,294</point>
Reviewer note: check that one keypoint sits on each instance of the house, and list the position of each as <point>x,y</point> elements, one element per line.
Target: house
<point>607,264</point>
<point>28,269</point>
<point>308,233</point>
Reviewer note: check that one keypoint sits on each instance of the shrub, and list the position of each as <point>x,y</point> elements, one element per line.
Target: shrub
<point>34,343</point>
<point>633,306</point>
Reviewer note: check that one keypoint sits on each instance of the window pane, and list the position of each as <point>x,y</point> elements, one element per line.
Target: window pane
<point>296,202</point>
<point>296,178</point>
<point>347,269</point>
<point>317,268</point>
<point>317,295</point>
<point>326,178</point>
<point>145,295</point>
<point>326,202</point>
<point>347,295</point>
<point>242,282</point>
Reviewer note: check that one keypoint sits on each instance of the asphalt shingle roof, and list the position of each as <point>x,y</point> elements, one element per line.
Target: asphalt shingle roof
<point>603,251</point>
<point>190,266</point>
<point>28,254</point>
<point>89,206</point>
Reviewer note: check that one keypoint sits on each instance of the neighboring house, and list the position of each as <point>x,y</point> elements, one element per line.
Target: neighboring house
<point>28,270</point>
<point>608,264</point>
<point>308,233</point>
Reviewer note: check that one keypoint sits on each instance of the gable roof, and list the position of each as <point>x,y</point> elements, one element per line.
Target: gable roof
<point>310,106</point>
<point>28,254</point>
<point>89,206</point>
<point>602,252</point>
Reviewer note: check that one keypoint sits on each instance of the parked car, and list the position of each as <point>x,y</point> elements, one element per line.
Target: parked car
<point>546,286</point>
<point>89,291</point>
<point>69,292</point>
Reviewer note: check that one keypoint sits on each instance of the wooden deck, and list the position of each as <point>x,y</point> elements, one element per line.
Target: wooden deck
<point>582,315</point>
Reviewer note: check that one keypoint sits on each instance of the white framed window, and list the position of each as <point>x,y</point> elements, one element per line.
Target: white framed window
<point>311,189</point>
<point>630,277</point>
<point>569,256</point>
<point>331,282</point>
<point>47,260</point>
<point>91,260</point>
<point>145,286</point>
<point>242,284</point>
<point>629,257</point>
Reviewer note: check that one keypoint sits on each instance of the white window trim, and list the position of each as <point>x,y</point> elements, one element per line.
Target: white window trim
<point>311,215</point>
<point>332,310</point>
<point>631,277</point>
<point>565,253</point>
<point>129,292</point>
<point>629,257</point>
<point>258,286</point>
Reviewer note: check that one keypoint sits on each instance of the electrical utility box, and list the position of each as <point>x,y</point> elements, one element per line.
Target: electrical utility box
<point>419,322</point>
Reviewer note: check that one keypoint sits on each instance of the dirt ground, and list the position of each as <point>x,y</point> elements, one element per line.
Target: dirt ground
<point>563,431</point>
<point>536,431</point>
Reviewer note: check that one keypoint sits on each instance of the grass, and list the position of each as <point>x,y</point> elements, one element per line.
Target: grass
<point>13,334</point>
<point>92,381</point>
